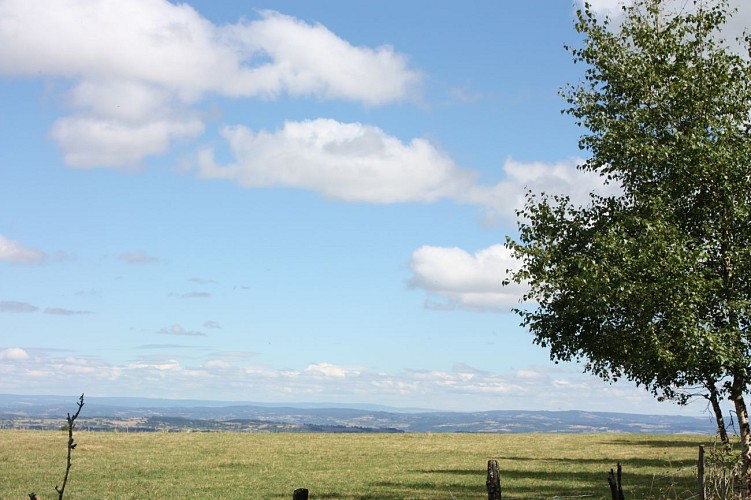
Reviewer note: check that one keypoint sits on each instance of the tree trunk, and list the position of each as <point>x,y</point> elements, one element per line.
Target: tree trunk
<point>700,474</point>
<point>714,400</point>
<point>736,395</point>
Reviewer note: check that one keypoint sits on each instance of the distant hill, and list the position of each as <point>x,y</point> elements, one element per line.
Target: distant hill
<point>141,414</point>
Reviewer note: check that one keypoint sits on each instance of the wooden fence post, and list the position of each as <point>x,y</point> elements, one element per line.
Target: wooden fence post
<point>494,480</point>
<point>616,488</point>
<point>700,473</point>
<point>300,494</point>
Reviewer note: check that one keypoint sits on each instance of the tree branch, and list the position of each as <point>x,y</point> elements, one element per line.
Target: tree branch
<point>71,446</point>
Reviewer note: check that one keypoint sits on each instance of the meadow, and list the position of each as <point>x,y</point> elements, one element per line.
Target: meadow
<point>345,466</point>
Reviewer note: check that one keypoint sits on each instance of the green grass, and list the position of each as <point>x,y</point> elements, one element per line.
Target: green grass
<point>343,466</point>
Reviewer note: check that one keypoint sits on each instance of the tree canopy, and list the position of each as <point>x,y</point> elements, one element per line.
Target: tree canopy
<point>652,284</point>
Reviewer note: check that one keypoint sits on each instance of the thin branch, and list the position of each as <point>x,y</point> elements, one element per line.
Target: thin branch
<point>71,446</point>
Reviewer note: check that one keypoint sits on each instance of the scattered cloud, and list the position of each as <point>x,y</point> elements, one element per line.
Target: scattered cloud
<point>217,364</point>
<point>465,95</point>
<point>15,252</point>
<point>218,378</point>
<point>346,161</point>
<point>138,258</point>
<point>461,280</point>
<point>89,141</point>
<point>64,312</point>
<point>164,346</point>
<point>180,331</point>
<point>734,29</point>
<point>458,279</point>
<point>361,163</point>
<point>561,178</point>
<point>17,307</point>
<point>213,325</point>
<point>195,295</point>
<point>135,91</point>
<point>610,7</point>
<point>14,353</point>
<point>329,370</point>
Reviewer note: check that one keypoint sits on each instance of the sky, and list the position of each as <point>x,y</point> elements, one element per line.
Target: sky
<point>284,201</point>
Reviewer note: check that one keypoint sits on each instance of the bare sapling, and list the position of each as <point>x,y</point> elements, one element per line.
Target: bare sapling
<point>71,446</point>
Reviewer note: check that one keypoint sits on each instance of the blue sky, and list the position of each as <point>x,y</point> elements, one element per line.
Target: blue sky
<point>283,201</point>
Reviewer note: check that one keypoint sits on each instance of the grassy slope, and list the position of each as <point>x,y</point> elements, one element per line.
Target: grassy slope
<point>393,466</point>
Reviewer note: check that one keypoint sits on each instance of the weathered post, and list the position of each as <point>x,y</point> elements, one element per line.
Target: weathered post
<point>494,480</point>
<point>616,487</point>
<point>613,485</point>
<point>700,473</point>
<point>300,494</point>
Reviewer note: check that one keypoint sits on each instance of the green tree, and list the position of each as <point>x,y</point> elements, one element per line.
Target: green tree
<point>652,284</point>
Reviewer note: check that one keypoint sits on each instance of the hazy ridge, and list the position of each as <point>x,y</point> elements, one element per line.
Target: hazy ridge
<point>143,414</point>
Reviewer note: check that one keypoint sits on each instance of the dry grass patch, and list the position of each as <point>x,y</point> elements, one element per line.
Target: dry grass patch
<point>376,466</point>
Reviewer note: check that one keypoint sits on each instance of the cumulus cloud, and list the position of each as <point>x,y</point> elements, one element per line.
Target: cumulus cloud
<point>180,331</point>
<point>137,69</point>
<point>503,199</point>
<point>13,251</point>
<point>458,279</point>
<point>89,141</point>
<point>14,353</point>
<point>138,258</point>
<point>17,307</point>
<point>311,60</point>
<point>733,30</point>
<point>361,163</point>
<point>461,280</point>
<point>608,7</point>
<point>346,161</point>
<point>64,312</point>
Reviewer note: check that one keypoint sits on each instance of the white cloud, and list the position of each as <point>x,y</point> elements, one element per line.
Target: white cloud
<point>180,331</point>
<point>64,312</point>
<point>561,178</point>
<point>347,161</point>
<point>217,364</point>
<point>459,388</point>
<point>734,29</point>
<point>13,251</point>
<point>609,7</point>
<point>14,353</point>
<point>463,280</point>
<point>92,141</point>
<point>195,295</point>
<point>167,365</point>
<point>361,163</point>
<point>138,257</point>
<point>138,68</point>
<point>310,59</point>
<point>329,370</point>
<point>17,307</point>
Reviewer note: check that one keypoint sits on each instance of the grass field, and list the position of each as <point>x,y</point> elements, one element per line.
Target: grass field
<point>344,466</point>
